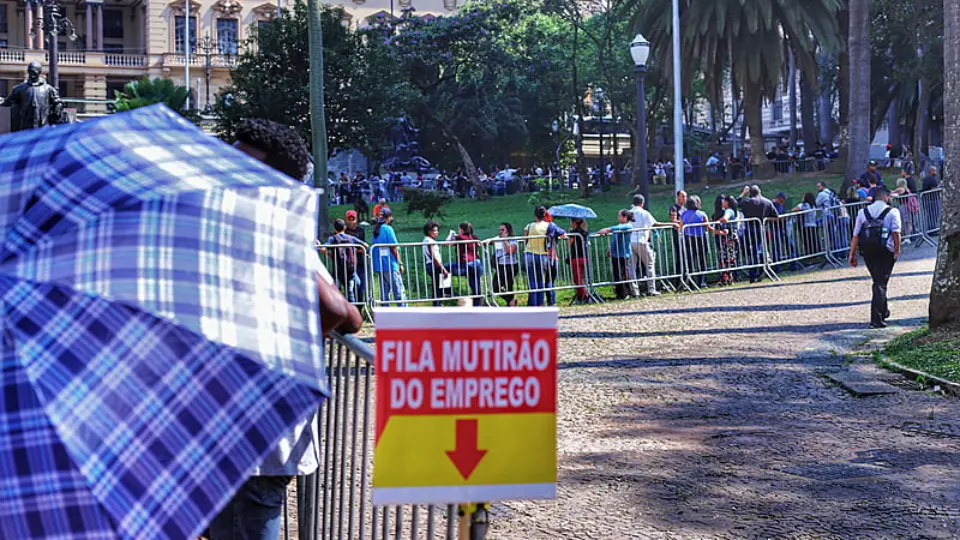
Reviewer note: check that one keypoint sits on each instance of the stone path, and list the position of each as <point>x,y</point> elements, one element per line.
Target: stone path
<point>711,416</point>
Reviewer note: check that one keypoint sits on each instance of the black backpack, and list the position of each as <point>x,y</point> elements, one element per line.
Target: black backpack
<point>345,258</point>
<point>873,235</point>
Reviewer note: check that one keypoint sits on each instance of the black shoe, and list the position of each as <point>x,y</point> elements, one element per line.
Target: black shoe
<point>876,326</point>
<point>886,315</point>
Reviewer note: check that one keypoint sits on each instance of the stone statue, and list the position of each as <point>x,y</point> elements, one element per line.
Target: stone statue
<point>35,103</point>
<point>406,149</point>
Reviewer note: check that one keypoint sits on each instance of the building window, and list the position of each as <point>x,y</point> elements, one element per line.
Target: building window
<point>777,111</point>
<point>227,36</point>
<point>3,19</point>
<point>113,48</point>
<point>4,89</point>
<point>261,25</point>
<point>113,24</point>
<point>3,43</point>
<point>179,27</point>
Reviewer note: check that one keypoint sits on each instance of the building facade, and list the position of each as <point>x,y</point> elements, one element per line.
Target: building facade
<point>118,41</point>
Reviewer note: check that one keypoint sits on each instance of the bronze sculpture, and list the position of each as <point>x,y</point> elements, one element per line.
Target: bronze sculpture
<point>34,103</point>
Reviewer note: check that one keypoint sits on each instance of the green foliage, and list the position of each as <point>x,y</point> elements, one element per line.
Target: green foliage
<point>430,203</point>
<point>272,80</point>
<point>145,92</point>
<point>934,354</point>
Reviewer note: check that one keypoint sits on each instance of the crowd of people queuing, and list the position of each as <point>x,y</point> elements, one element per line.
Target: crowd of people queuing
<point>730,241</point>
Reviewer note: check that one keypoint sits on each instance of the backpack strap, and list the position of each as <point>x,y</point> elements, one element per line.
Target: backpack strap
<point>866,212</point>
<point>884,213</point>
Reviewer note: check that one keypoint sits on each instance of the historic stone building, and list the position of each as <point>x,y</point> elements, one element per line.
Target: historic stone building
<point>121,40</point>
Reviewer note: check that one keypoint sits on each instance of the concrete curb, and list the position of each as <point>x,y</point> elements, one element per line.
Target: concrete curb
<point>945,385</point>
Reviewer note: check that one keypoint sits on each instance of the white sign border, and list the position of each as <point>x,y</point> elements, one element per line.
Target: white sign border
<point>462,494</point>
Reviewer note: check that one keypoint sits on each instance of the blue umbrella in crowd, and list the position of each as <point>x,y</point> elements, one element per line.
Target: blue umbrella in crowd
<point>160,325</point>
<point>572,211</point>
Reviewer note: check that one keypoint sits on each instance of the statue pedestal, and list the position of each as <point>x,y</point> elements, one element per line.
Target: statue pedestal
<point>4,120</point>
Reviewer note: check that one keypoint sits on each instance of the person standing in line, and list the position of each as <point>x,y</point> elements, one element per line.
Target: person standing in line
<point>577,239</point>
<point>870,174</point>
<point>433,261</point>
<point>641,250</point>
<point>695,237</point>
<point>506,252</point>
<point>354,230</point>
<point>877,235</point>
<point>540,236</point>
<point>675,211</point>
<point>619,252</point>
<point>753,205</point>
<point>386,260</point>
<point>468,263</point>
<point>346,250</point>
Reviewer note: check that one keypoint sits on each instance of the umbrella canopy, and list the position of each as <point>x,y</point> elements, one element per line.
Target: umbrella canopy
<point>572,211</point>
<point>160,330</point>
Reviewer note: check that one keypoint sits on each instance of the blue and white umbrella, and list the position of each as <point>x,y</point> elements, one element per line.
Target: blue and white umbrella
<point>572,211</point>
<point>159,324</point>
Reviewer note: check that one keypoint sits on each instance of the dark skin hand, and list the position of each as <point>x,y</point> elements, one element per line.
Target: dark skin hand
<point>336,313</point>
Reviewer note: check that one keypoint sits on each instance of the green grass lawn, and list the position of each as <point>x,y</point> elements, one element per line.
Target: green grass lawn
<point>516,209</point>
<point>930,353</point>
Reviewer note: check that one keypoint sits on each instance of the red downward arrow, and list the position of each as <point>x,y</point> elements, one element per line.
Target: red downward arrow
<point>466,456</point>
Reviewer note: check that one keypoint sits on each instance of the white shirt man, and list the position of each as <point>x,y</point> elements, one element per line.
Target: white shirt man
<point>640,249</point>
<point>879,261</point>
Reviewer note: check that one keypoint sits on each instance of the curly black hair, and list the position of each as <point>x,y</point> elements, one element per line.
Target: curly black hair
<point>285,149</point>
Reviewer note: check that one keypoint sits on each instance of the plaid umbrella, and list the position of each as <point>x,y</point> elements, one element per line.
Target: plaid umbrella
<point>572,211</point>
<point>160,331</point>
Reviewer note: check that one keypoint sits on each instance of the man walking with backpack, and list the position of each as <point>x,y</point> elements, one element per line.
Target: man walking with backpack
<point>877,235</point>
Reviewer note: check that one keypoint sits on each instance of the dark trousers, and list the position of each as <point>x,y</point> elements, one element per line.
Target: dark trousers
<point>880,267</point>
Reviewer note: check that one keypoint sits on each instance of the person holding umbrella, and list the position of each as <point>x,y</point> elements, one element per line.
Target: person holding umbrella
<point>162,335</point>
<point>255,510</point>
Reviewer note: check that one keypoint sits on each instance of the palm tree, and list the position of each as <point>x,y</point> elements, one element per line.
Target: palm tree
<point>744,36</point>
<point>945,293</point>
<point>144,92</point>
<point>858,130</point>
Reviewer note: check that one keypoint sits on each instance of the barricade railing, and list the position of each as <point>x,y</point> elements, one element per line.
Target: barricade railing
<point>652,260</point>
<point>836,224</point>
<point>726,249</point>
<point>795,238</point>
<point>543,266</point>
<point>334,502</point>
<point>348,265</point>
<point>909,206</point>
<point>431,272</point>
<point>498,274</point>
<point>930,202</point>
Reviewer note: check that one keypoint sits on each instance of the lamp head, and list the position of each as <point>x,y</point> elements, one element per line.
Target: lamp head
<point>640,50</point>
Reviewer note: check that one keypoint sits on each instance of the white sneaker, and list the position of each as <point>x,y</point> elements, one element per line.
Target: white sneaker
<point>907,242</point>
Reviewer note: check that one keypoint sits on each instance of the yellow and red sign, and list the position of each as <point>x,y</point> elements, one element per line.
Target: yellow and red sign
<point>466,405</point>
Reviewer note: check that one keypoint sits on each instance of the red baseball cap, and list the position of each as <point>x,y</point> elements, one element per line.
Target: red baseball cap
<point>351,214</point>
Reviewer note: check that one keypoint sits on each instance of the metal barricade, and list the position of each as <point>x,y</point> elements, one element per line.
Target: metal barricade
<point>726,249</point>
<point>541,267</point>
<point>349,265</point>
<point>794,238</point>
<point>912,229</point>
<point>930,211</point>
<point>422,280</point>
<point>653,263</point>
<point>334,502</point>
<point>837,224</point>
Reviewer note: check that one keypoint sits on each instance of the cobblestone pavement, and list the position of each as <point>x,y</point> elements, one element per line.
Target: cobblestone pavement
<point>709,416</point>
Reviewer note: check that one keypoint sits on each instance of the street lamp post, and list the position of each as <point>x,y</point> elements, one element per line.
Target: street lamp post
<point>207,45</point>
<point>640,50</point>
<point>678,166</point>
<point>603,167</point>
<point>54,23</point>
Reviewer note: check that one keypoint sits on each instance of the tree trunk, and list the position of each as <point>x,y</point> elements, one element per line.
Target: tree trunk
<point>753,112</point>
<point>792,92</point>
<point>839,166</point>
<point>858,45</point>
<point>470,167</point>
<point>920,139</point>
<point>807,104</point>
<point>828,85</point>
<point>893,128</point>
<point>945,293</point>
